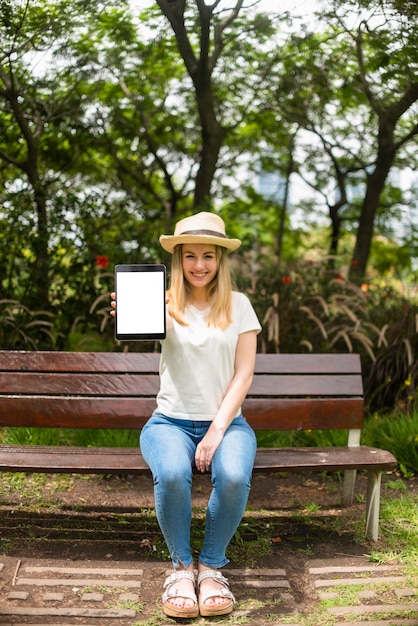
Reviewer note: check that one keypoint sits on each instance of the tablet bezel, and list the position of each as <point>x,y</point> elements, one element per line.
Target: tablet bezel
<point>140,268</point>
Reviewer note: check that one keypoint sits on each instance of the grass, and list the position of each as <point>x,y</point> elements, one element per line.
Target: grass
<point>399,530</point>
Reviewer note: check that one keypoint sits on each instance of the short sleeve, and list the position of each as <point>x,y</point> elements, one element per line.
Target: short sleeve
<point>244,314</point>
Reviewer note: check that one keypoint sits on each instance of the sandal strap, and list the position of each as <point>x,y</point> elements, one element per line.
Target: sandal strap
<point>174,578</point>
<point>224,592</point>
<point>215,574</point>
<point>217,593</point>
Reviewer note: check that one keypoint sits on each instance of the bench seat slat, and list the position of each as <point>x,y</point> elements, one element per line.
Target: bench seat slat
<point>328,458</point>
<point>69,459</point>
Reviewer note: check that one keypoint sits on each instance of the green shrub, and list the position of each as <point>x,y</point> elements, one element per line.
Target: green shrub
<point>310,307</point>
<point>23,329</point>
<point>398,433</point>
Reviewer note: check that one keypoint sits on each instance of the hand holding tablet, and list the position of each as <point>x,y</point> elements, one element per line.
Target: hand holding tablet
<point>141,298</point>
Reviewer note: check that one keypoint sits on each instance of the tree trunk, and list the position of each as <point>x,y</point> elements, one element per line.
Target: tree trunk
<point>212,139</point>
<point>32,129</point>
<point>285,203</point>
<point>200,69</point>
<point>335,234</point>
<point>39,283</point>
<point>375,186</point>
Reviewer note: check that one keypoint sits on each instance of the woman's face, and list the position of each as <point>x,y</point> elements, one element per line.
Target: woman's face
<point>199,264</point>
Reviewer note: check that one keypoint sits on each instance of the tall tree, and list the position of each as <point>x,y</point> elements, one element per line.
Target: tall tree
<point>353,88</point>
<point>387,58</point>
<point>37,138</point>
<point>203,34</point>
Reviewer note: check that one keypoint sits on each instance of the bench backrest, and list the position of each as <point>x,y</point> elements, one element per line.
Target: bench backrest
<point>117,390</point>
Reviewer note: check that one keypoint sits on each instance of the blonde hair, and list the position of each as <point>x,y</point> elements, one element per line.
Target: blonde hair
<point>220,291</point>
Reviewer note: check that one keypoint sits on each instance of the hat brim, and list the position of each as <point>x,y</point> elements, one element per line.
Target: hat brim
<point>169,242</point>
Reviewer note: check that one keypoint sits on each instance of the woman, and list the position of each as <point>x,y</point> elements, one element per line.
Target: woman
<point>207,365</point>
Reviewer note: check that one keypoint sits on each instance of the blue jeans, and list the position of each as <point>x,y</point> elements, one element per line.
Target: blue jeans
<point>168,446</point>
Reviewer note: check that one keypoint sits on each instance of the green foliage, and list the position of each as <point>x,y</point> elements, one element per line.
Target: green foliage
<point>106,438</point>
<point>22,329</point>
<point>309,307</point>
<point>397,432</point>
<point>70,437</point>
<point>301,438</point>
<point>36,436</point>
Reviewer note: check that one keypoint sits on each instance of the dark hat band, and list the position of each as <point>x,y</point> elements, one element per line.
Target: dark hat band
<point>211,233</point>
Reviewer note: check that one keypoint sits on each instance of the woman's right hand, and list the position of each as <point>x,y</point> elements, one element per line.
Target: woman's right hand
<point>113,303</point>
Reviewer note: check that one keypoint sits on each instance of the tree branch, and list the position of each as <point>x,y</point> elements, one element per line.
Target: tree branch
<point>219,30</point>
<point>374,102</point>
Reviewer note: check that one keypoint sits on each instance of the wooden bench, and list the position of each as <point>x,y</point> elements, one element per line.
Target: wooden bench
<point>117,391</point>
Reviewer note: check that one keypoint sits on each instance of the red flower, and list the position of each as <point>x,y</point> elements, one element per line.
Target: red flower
<point>102,261</point>
<point>286,280</point>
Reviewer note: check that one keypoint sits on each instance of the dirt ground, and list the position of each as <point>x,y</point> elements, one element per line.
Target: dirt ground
<point>93,518</point>
<point>66,511</point>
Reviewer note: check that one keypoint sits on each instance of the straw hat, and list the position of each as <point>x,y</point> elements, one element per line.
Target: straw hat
<point>200,228</point>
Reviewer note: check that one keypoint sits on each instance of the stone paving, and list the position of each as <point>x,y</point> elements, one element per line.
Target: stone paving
<point>37,591</point>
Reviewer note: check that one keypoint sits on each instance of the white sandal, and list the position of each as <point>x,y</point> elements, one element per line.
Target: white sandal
<point>223,592</point>
<point>173,592</point>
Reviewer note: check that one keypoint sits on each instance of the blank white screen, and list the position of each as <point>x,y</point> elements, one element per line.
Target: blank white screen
<point>140,302</point>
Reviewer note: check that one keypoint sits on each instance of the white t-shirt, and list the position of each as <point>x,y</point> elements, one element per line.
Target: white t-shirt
<point>197,362</point>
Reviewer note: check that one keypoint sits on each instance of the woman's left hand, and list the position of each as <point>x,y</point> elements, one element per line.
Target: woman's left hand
<point>207,448</point>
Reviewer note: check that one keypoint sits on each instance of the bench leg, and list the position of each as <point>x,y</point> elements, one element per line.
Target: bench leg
<point>373,504</point>
<point>348,487</point>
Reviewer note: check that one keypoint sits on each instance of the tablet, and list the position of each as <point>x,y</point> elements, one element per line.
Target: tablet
<point>140,302</point>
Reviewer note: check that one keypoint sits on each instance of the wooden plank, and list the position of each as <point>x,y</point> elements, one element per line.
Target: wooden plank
<point>63,459</point>
<point>132,413</point>
<point>304,414</point>
<point>308,364</point>
<point>76,384</point>
<point>61,412</point>
<point>329,458</point>
<point>306,385</point>
<point>48,361</point>
<point>69,459</point>
<point>114,384</point>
